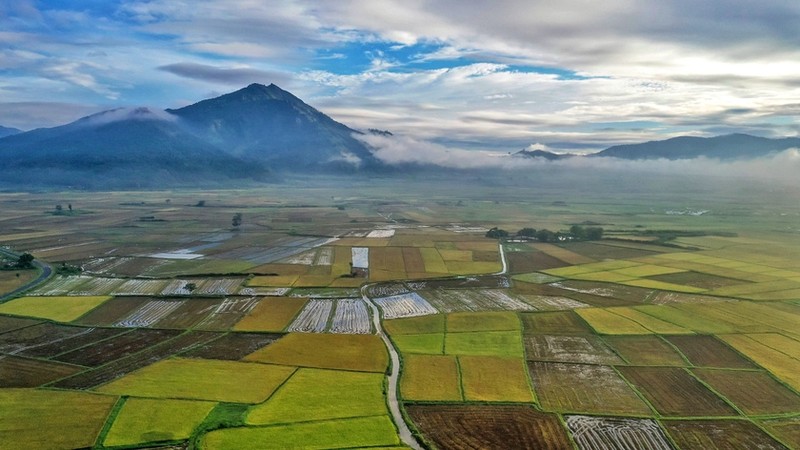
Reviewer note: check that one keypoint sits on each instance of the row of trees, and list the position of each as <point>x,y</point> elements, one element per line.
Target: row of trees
<point>575,233</point>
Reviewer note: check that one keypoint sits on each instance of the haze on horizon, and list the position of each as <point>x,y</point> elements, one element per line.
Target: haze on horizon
<point>572,75</point>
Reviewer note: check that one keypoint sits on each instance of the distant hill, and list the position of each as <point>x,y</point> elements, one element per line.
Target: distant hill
<point>119,148</point>
<point>6,131</point>
<point>268,124</point>
<point>542,154</point>
<point>732,146</point>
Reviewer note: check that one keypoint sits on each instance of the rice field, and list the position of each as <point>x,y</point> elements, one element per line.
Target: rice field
<point>462,300</point>
<point>62,309</point>
<point>150,313</point>
<point>313,318</point>
<point>609,432</point>
<point>351,317</point>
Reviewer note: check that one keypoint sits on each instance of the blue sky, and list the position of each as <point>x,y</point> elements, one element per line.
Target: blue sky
<point>497,75</point>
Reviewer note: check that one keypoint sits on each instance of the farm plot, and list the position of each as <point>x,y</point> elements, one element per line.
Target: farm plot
<point>719,435</point>
<point>219,286</point>
<point>138,287</point>
<point>61,285</point>
<point>583,388</point>
<point>271,314</point>
<point>39,419</point>
<point>358,352</point>
<point>124,366</point>
<point>624,295</point>
<point>150,313</point>
<point>176,287</point>
<point>612,432</point>
<point>386,289</point>
<point>649,322</point>
<point>61,309</point>
<point>787,430</point>
<point>461,300</point>
<point>319,394</point>
<point>559,322</point>
<point>104,265</point>
<point>524,262</point>
<point>227,313</point>
<point>647,350</point>
<point>225,381</point>
<point>415,325</point>
<point>578,349</point>
<point>21,372</point>
<point>430,378</point>
<point>112,311</point>
<point>30,338</point>
<point>484,321</point>
<point>99,286</point>
<point>755,393</point>
<point>686,320</point>
<point>14,323</point>
<point>117,347</point>
<point>485,343</point>
<point>313,318</point>
<point>783,366</point>
<point>606,322</point>
<point>144,420</point>
<point>427,343</point>
<point>190,313</point>
<point>562,253</point>
<point>494,379</point>
<point>90,336</point>
<point>360,432</point>
<point>489,427</point>
<point>404,305</point>
<point>233,346</point>
<point>351,317</point>
<point>674,392</point>
<point>553,303</point>
<point>360,257</point>
<point>708,351</point>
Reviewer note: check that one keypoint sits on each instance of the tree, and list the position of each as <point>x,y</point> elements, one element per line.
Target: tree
<point>545,236</point>
<point>200,203</point>
<point>59,209</point>
<point>25,261</point>
<point>69,206</point>
<point>526,232</point>
<point>496,233</point>
<point>594,233</point>
<point>578,232</point>
<point>190,287</point>
<point>237,220</point>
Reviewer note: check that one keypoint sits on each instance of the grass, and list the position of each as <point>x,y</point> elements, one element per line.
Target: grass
<point>483,321</point>
<point>51,419</point>
<point>430,378</point>
<point>61,309</point>
<point>429,343</point>
<point>319,394</point>
<point>225,381</point>
<point>271,314</point>
<point>146,420</point>
<point>343,433</point>
<point>485,343</point>
<point>491,378</point>
<point>326,351</point>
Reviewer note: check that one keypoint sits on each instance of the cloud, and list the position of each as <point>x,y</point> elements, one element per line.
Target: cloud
<point>238,76</point>
<point>29,115</point>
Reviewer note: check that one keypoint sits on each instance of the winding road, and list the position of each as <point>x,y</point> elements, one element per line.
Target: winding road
<point>44,273</point>
<point>394,375</point>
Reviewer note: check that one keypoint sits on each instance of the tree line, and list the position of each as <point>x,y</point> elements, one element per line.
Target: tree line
<point>575,233</point>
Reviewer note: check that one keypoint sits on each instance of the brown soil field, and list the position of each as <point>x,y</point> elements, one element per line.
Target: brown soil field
<point>486,255</point>
<point>113,311</point>
<point>271,314</point>
<point>674,392</point>
<point>413,260</point>
<point>12,279</point>
<point>630,295</point>
<point>524,262</point>
<point>25,373</point>
<point>115,348</point>
<point>24,338</point>
<point>647,350</point>
<point>601,251</point>
<point>755,393</point>
<point>124,366</point>
<point>708,351</point>
<point>233,346</point>
<point>489,427</point>
<point>579,349</point>
<point>137,266</point>
<point>719,435</point>
<point>227,313</point>
<point>565,387</point>
<point>90,336</point>
<point>13,323</point>
<point>696,279</point>
<point>556,322</point>
<point>189,314</point>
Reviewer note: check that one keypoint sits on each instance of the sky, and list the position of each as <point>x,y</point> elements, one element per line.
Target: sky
<point>501,75</point>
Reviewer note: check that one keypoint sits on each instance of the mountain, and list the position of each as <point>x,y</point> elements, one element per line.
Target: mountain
<point>542,154</point>
<point>732,146</point>
<point>124,147</point>
<point>6,131</point>
<point>268,124</point>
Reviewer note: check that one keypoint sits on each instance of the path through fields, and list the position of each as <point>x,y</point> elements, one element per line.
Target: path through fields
<point>44,273</point>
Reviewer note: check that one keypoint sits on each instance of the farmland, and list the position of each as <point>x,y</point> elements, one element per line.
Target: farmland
<point>184,332</point>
